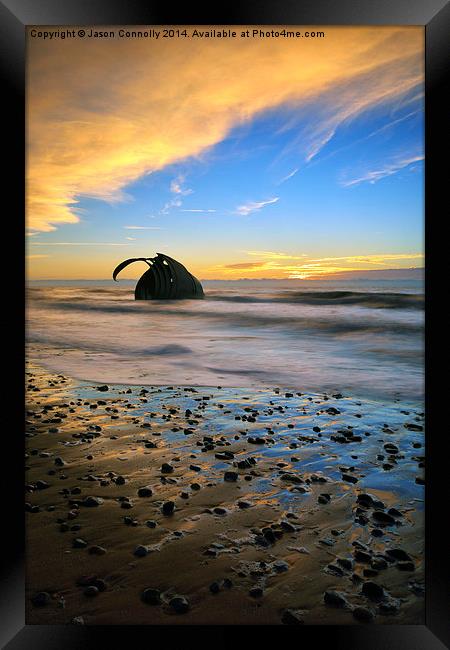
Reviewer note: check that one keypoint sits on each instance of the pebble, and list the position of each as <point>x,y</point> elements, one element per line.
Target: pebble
<point>363,614</point>
<point>291,617</point>
<point>256,592</point>
<point>214,587</point>
<point>97,550</point>
<point>168,508</point>
<point>151,596</point>
<point>145,491</point>
<point>91,591</point>
<point>373,591</point>
<point>92,502</point>
<point>41,599</point>
<point>179,604</point>
<point>335,599</point>
<point>79,543</point>
<point>141,551</point>
<point>230,476</point>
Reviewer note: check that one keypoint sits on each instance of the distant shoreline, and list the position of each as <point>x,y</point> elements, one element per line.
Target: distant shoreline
<point>396,274</point>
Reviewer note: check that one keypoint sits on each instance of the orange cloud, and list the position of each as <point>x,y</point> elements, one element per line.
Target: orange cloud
<point>102,113</point>
<point>315,267</point>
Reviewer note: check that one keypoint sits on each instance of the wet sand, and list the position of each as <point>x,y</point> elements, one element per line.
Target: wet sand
<point>259,507</point>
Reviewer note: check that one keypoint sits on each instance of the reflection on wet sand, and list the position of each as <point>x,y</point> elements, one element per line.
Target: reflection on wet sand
<point>166,505</point>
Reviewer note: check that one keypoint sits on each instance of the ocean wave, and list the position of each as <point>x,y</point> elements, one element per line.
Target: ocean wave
<point>368,299</point>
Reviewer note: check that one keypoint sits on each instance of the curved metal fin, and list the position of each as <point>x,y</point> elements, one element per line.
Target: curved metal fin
<point>125,263</point>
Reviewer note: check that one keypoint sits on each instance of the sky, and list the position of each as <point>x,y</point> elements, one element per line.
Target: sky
<point>241,158</point>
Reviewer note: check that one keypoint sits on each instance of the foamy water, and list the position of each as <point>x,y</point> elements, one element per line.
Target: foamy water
<point>361,337</point>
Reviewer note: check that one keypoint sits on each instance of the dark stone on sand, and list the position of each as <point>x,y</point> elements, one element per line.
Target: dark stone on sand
<point>166,468</point>
<point>195,468</point>
<point>126,504</point>
<point>324,498</point>
<point>389,607</point>
<point>291,617</point>
<point>373,591</point>
<point>365,500</point>
<point>363,614</point>
<point>79,543</point>
<point>96,550</point>
<point>345,563</point>
<point>91,591</point>
<point>92,502</point>
<point>383,518</point>
<point>379,564</point>
<point>103,388</point>
<point>59,461</point>
<point>150,523</point>
<point>42,485</point>
<point>362,556</point>
<point>41,599</point>
<point>224,455</point>
<point>332,411</point>
<point>291,478</point>
<point>151,596</point>
<point>230,476</point>
<point>349,478</point>
<point>141,551</point>
<point>260,540</point>
<point>335,570</point>
<point>214,587</point>
<point>168,508</point>
<point>335,599</point>
<point>119,480</point>
<point>398,554</point>
<point>376,532</point>
<point>179,604</point>
<point>145,491</point>
<point>280,566</point>
<point>256,592</point>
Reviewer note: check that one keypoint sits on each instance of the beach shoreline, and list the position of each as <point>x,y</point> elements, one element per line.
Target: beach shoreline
<point>276,496</point>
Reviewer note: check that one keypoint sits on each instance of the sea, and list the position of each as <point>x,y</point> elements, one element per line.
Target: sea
<point>358,337</point>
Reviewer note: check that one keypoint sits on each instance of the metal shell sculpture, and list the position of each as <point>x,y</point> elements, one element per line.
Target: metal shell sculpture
<point>166,279</point>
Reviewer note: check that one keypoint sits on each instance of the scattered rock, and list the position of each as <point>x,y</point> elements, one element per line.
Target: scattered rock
<point>151,596</point>
<point>41,599</point>
<point>373,591</point>
<point>335,599</point>
<point>292,617</point>
<point>179,604</point>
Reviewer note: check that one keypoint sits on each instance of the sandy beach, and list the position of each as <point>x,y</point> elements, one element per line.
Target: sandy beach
<point>182,505</point>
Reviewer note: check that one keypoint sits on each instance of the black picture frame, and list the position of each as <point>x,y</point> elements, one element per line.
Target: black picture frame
<point>15,15</point>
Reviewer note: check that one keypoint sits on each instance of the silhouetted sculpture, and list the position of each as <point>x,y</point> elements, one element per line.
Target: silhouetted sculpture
<point>166,279</point>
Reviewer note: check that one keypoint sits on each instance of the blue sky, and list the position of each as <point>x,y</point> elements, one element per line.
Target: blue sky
<point>297,189</point>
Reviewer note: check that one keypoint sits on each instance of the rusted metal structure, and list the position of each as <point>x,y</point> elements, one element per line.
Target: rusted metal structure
<point>166,279</point>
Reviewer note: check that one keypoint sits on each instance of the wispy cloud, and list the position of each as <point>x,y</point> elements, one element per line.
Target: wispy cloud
<point>95,135</point>
<point>388,169</point>
<point>176,186</point>
<point>143,228</point>
<point>276,264</point>
<point>77,243</point>
<point>272,255</point>
<point>197,210</point>
<point>288,176</point>
<point>174,203</point>
<point>254,206</point>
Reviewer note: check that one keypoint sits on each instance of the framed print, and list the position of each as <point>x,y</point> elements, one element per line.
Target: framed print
<point>225,249</point>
